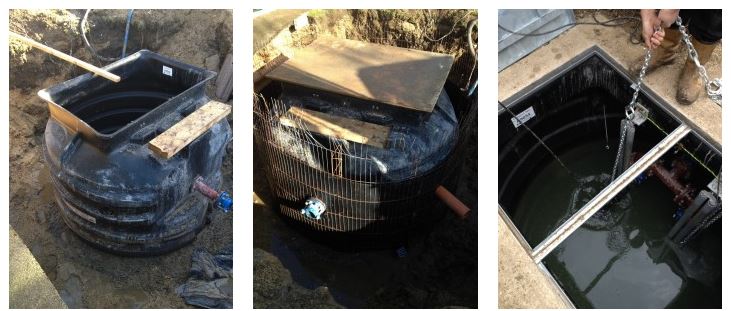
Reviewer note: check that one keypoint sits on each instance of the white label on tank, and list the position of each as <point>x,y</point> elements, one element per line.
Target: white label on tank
<point>523,116</point>
<point>167,71</point>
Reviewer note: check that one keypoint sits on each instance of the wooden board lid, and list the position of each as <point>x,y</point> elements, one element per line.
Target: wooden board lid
<point>400,77</point>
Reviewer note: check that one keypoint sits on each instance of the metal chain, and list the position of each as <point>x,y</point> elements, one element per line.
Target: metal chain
<point>713,87</point>
<point>606,131</point>
<point>709,220</point>
<point>630,109</point>
<point>619,150</point>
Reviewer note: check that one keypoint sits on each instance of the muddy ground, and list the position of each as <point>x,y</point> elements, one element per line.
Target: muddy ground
<point>440,270</point>
<point>84,276</point>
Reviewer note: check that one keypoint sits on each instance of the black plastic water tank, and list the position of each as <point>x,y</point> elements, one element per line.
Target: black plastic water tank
<point>373,191</point>
<point>111,189</point>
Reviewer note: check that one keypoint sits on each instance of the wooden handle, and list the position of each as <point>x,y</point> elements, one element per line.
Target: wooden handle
<point>66,57</point>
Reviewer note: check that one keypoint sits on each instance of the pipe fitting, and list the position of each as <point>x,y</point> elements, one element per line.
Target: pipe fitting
<point>222,199</point>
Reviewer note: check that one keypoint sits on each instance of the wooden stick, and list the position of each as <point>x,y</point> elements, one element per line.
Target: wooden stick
<point>66,57</point>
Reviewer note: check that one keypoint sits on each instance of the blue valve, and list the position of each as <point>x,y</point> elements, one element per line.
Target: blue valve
<point>225,202</point>
<point>678,213</point>
<point>641,178</point>
<point>314,208</point>
<point>401,252</point>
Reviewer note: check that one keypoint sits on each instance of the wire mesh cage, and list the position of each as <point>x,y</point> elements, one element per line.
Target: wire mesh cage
<point>366,195</point>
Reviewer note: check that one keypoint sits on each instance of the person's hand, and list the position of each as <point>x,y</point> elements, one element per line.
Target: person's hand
<point>652,31</point>
<point>668,17</point>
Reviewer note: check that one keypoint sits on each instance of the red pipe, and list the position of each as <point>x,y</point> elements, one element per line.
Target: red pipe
<point>452,202</point>
<point>671,179</point>
<point>683,193</point>
<point>204,189</point>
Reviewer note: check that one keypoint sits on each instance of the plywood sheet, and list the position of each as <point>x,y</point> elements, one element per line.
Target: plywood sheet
<point>400,77</point>
<point>338,127</point>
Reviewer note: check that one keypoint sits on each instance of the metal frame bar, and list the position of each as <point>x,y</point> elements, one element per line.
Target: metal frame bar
<point>558,289</point>
<point>608,193</point>
<point>513,229</point>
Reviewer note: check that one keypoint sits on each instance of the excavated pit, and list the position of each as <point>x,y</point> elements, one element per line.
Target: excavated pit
<point>441,259</point>
<point>78,271</point>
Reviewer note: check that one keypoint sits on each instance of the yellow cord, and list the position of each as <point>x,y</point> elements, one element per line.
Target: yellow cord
<point>683,147</point>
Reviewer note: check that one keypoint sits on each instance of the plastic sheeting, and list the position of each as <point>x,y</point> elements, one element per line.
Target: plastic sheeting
<point>210,284</point>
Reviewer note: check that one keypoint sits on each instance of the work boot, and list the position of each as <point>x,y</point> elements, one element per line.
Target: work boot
<point>690,83</point>
<point>662,55</point>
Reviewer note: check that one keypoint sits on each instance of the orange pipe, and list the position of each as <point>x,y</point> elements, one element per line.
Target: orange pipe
<point>453,202</point>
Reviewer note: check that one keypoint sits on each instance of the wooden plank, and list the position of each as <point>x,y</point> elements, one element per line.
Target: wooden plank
<point>224,81</point>
<point>187,130</point>
<point>338,127</point>
<point>400,77</point>
<point>269,66</point>
<point>260,81</point>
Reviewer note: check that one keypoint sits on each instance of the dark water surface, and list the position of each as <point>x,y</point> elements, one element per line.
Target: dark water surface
<point>620,258</point>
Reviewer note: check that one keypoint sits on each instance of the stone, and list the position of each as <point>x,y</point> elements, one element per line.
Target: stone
<point>301,22</point>
<point>41,216</point>
<point>408,27</point>
<point>213,62</point>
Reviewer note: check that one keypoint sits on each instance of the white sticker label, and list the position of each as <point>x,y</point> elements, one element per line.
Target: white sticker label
<point>523,116</point>
<point>167,71</point>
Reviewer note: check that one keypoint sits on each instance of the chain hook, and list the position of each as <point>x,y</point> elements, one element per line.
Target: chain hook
<point>629,112</point>
<point>713,87</point>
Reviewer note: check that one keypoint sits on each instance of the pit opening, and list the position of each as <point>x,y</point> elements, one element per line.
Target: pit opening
<point>148,81</point>
<point>622,256</point>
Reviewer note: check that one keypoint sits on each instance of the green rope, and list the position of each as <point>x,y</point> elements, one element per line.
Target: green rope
<point>683,148</point>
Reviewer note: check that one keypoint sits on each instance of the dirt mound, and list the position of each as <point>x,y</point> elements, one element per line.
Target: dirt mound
<point>55,28</point>
<point>440,31</point>
<point>274,288</point>
<point>192,36</point>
